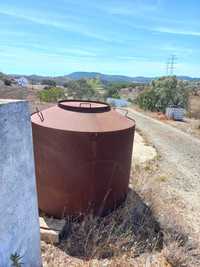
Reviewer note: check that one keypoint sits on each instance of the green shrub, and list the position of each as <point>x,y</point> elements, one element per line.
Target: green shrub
<point>162,93</point>
<point>112,92</point>
<point>147,100</point>
<point>7,82</point>
<point>82,89</point>
<point>16,260</point>
<point>48,82</point>
<point>52,94</point>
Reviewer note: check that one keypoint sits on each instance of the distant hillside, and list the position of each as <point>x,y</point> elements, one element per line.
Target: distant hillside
<point>106,77</point>
<point>60,80</point>
<point>188,78</point>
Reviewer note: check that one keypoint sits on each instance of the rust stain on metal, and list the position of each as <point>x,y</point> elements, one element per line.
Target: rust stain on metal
<point>83,152</point>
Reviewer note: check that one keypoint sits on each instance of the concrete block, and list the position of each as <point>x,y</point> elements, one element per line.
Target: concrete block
<point>49,236</point>
<point>51,229</point>
<point>19,220</point>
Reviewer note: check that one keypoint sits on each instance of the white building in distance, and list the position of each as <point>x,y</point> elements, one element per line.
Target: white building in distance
<point>23,82</point>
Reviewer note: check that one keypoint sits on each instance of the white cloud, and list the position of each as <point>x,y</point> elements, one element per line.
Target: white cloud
<point>176,31</point>
<point>38,49</point>
<point>178,50</point>
<point>63,23</point>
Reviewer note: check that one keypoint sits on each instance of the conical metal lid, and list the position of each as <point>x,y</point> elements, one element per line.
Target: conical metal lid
<point>82,116</point>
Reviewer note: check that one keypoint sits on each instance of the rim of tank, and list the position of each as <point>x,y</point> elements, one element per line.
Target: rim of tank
<point>88,106</point>
<point>132,128</point>
<point>39,121</point>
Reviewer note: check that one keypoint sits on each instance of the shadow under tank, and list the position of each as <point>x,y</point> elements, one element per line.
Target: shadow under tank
<point>83,154</point>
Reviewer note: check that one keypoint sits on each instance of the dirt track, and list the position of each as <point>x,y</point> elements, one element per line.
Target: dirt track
<point>180,161</point>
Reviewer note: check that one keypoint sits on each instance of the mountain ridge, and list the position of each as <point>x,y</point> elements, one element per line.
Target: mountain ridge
<point>108,77</point>
<point>104,77</point>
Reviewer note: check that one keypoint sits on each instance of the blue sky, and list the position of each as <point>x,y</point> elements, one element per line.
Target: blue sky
<point>130,37</point>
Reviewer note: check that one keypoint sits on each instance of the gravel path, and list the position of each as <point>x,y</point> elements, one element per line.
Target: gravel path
<point>180,159</point>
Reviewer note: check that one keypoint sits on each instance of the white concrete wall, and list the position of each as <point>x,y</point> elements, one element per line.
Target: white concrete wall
<point>19,223</point>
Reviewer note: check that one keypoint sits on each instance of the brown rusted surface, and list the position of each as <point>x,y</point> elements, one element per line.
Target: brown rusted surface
<point>82,157</point>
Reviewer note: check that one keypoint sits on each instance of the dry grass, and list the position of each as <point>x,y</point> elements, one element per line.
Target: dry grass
<point>123,235</point>
<point>194,106</point>
<point>28,93</point>
<point>15,92</point>
<point>131,230</point>
<point>179,250</point>
<point>130,236</point>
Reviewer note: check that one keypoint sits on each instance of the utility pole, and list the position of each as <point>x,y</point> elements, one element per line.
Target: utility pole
<point>171,65</point>
<point>167,67</point>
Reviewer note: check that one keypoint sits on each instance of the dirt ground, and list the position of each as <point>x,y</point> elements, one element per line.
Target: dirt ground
<point>156,222</point>
<point>127,237</point>
<point>163,201</point>
<point>188,125</point>
<point>29,93</point>
<point>142,151</point>
<point>179,169</point>
<point>16,92</point>
<point>153,205</point>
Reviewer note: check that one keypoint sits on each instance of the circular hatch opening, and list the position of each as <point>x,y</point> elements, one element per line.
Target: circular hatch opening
<point>84,106</point>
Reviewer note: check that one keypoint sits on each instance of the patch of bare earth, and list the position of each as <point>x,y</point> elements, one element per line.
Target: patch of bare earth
<point>130,236</point>
<point>188,125</point>
<point>181,244</point>
<point>25,93</point>
<point>145,231</point>
<point>176,182</point>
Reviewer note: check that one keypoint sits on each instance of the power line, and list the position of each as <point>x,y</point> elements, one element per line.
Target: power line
<point>167,67</point>
<point>171,65</point>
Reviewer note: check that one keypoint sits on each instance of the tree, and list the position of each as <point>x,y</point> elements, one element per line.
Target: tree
<point>81,89</point>
<point>112,92</point>
<point>162,93</point>
<point>7,82</point>
<point>95,84</point>
<point>52,94</point>
<point>49,82</point>
<point>2,75</point>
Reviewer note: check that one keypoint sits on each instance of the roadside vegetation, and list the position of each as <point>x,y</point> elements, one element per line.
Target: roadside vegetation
<point>115,240</point>
<point>93,89</point>
<point>131,235</point>
<point>163,93</point>
<point>50,83</point>
<point>51,94</point>
<point>83,89</point>
<point>7,82</point>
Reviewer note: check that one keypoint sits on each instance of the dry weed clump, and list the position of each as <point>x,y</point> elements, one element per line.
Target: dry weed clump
<point>130,230</point>
<point>129,236</point>
<point>116,240</point>
<point>179,250</point>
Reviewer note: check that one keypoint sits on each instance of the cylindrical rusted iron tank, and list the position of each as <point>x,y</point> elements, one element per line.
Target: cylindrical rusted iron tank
<point>83,152</point>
